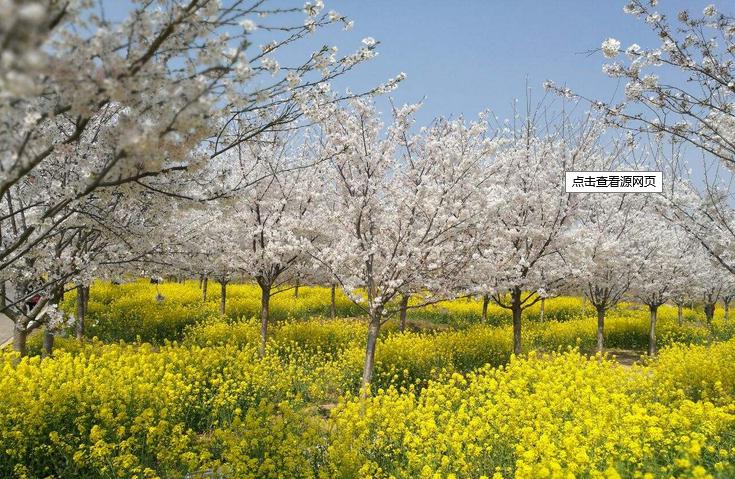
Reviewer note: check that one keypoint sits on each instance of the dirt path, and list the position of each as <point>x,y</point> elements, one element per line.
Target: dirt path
<point>626,357</point>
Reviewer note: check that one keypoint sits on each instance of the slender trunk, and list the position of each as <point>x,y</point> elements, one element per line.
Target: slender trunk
<point>679,314</point>
<point>223,297</point>
<point>20,339</point>
<point>48,343</point>
<point>404,307</point>
<point>48,333</point>
<point>652,330</point>
<point>372,339</point>
<point>709,312</point>
<point>727,310</point>
<point>265,299</point>
<point>201,281</point>
<point>333,305</point>
<point>3,302</point>
<point>205,283</point>
<point>296,288</point>
<point>81,310</point>
<point>600,328</point>
<point>485,302</point>
<point>541,315</point>
<point>516,309</point>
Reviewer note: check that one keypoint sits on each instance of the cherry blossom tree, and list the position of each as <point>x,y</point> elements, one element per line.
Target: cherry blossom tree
<point>710,282</point>
<point>407,208</point>
<point>82,115</point>
<point>604,255</point>
<point>663,250</point>
<point>530,218</point>
<point>275,220</point>
<point>727,295</point>
<point>682,87</point>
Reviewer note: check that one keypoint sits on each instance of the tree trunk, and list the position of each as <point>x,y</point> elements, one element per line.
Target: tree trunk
<point>48,343</point>
<point>20,339</point>
<point>265,299</point>
<point>81,311</point>
<point>709,312</point>
<point>3,302</point>
<point>652,331</point>
<point>333,305</point>
<point>223,297</point>
<point>205,283</point>
<point>516,309</point>
<point>727,310</point>
<point>600,329</point>
<point>296,288</point>
<point>679,314</point>
<point>485,302</point>
<point>372,339</point>
<point>404,307</point>
<point>541,315</point>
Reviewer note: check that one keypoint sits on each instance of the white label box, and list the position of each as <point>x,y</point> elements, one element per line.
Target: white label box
<point>613,182</point>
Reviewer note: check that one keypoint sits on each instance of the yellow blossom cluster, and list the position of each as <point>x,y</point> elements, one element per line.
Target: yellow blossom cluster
<point>130,312</point>
<point>142,411</point>
<point>559,415</point>
<point>197,401</point>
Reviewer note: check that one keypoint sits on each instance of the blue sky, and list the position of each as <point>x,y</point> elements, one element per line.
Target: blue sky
<point>466,56</point>
<point>462,57</point>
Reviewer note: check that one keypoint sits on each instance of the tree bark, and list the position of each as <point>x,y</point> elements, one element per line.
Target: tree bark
<point>81,311</point>
<point>485,302</point>
<point>372,339</point>
<point>205,283</point>
<point>600,329</point>
<point>516,309</point>
<point>265,299</point>
<point>223,297</point>
<point>679,314</point>
<point>709,312</point>
<point>3,292</point>
<point>541,315</point>
<point>296,288</point>
<point>727,310</point>
<point>652,330</point>
<point>333,305</point>
<point>20,339</point>
<point>48,343</point>
<point>404,307</point>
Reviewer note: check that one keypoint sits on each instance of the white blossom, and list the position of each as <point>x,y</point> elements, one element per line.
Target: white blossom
<point>610,48</point>
<point>248,25</point>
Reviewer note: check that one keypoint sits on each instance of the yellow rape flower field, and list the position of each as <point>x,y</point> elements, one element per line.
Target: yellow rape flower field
<point>173,389</point>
